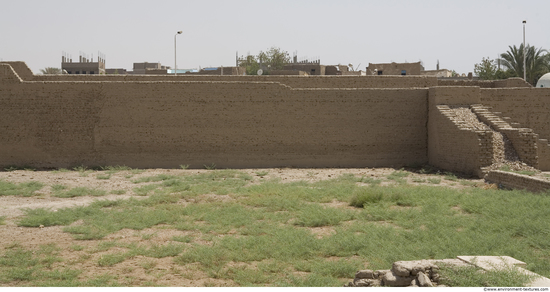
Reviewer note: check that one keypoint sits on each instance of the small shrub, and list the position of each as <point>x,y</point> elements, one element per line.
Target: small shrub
<point>370,180</point>
<point>80,168</point>
<point>115,169</point>
<point>108,260</point>
<point>144,190</point>
<point>262,173</point>
<point>316,216</point>
<point>57,188</point>
<point>434,180</point>
<point>148,264</point>
<point>77,247</point>
<point>118,192</point>
<point>184,166</point>
<point>182,238</point>
<point>398,176</point>
<point>210,167</point>
<point>450,176</point>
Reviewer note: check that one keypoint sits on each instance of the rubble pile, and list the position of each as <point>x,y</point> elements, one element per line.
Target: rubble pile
<point>423,273</point>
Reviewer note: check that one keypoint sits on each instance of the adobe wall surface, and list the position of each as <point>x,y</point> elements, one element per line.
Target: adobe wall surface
<point>451,145</point>
<point>231,124</point>
<point>528,106</point>
<point>517,181</point>
<point>294,81</point>
<point>21,69</point>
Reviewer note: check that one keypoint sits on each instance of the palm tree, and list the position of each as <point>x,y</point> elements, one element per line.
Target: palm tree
<point>537,62</point>
<point>50,70</point>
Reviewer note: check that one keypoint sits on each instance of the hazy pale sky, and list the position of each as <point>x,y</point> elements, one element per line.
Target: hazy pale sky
<point>457,33</point>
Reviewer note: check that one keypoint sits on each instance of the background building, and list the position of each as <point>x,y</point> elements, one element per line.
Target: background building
<point>84,65</point>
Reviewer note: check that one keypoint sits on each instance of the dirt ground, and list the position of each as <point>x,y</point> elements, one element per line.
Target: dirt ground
<point>164,272</point>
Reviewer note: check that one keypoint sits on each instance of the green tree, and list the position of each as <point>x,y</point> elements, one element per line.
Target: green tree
<point>272,59</point>
<point>488,70</point>
<point>50,70</point>
<point>536,62</point>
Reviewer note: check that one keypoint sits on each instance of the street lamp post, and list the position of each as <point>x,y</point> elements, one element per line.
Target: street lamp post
<point>524,53</point>
<point>175,54</point>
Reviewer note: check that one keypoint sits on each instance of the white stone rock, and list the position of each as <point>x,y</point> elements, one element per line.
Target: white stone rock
<point>424,280</point>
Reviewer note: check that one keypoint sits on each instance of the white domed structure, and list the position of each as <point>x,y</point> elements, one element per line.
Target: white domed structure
<point>544,81</point>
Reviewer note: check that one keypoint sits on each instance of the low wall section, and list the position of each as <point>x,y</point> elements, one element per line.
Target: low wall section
<point>517,181</point>
<point>231,124</point>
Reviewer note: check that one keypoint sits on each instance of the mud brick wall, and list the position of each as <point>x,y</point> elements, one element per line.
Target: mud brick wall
<point>8,75</point>
<point>232,124</point>
<point>21,69</point>
<point>451,145</point>
<point>525,144</point>
<point>454,147</point>
<point>528,106</point>
<point>517,181</point>
<point>543,155</point>
<point>294,81</point>
<point>478,83</point>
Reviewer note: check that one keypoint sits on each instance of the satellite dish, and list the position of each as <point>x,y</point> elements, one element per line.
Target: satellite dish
<point>260,72</point>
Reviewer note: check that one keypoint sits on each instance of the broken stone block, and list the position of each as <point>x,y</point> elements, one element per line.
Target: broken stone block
<point>424,280</point>
<point>401,269</point>
<point>414,283</point>
<point>364,274</point>
<point>366,282</point>
<point>393,280</point>
<point>380,273</point>
<point>361,282</point>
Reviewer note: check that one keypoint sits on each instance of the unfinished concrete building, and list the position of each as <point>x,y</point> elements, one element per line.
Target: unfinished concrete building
<point>84,65</point>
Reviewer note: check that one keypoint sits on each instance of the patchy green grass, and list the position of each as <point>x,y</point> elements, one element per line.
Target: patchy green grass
<point>25,189</point>
<point>79,192</point>
<point>434,180</point>
<point>262,173</point>
<point>399,176</point>
<point>103,176</point>
<point>271,233</point>
<point>118,192</point>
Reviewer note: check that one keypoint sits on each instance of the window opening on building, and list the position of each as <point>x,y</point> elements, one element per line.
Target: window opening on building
<point>403,72</point>
<point>380,72</point>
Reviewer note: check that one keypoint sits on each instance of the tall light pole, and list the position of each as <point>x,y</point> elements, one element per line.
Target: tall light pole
<point>175,54</point>
<point>524,52</point>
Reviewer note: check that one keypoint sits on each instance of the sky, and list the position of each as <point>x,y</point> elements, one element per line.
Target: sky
<point>457,33</point>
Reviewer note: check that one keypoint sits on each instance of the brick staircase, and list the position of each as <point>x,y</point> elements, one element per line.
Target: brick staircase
<point>531,150</point>
<point>484,136</point>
